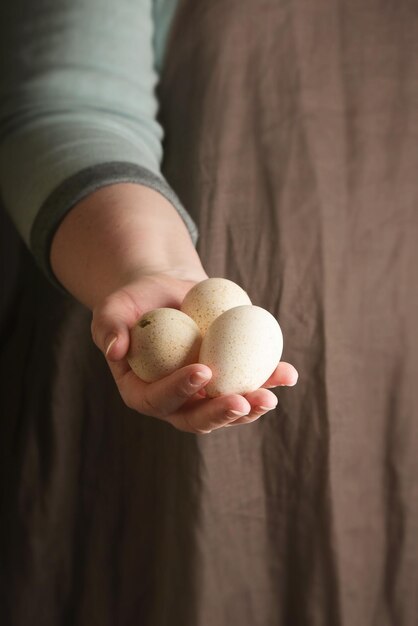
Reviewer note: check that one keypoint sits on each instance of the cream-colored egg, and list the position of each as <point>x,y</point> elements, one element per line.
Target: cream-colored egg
<point>242,347</point>
<point>162,341</point>
<point>210,298</point>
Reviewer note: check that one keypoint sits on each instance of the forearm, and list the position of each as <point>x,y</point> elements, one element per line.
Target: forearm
<point>77,111</point>
<point>119,233</point>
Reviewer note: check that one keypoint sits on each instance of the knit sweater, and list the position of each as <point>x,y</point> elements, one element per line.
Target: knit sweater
<point>78,109</point>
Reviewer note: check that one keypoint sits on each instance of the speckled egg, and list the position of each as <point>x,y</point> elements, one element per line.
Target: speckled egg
<point>242,347</point>
<point>210,298</point>
<point>162,341</point>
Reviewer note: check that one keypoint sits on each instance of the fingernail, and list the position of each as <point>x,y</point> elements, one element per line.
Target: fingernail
<point>234,414</point>
<point>265,408</point>
<point>111,340</point>
<point>198,378</point>
<point>278,385</point>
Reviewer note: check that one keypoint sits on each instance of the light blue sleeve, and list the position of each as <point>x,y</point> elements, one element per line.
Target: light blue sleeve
<point>77,108</point>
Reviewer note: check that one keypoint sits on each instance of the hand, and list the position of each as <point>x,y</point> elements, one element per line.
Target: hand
<point>123,251</point>
<point>178,399</point>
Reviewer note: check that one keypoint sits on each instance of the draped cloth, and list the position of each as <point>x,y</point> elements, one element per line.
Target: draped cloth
<point>292,139</point>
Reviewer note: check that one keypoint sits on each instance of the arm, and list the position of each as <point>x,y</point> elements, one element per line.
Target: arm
<point>121,258</point>
<point>116,235</point>
<point>78,132</point>
<point>149,261</point>
<point>77,109</point>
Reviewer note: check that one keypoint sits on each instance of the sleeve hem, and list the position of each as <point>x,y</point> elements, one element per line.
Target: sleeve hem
<point>85,182</point>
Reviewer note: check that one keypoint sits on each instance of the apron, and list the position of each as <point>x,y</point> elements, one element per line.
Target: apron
<point>291,136</point>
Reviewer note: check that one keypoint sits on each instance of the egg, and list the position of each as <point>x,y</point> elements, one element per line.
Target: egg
<point>242,347</point>
<point>162,341</point>
<point>210,298</point>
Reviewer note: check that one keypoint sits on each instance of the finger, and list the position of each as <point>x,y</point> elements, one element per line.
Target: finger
<point>112,322</point>
<point>261,402</point>
<point>162,397</point>
<point>114,318</point>
<point>195,413</point>
<point>284,375</point>
<point>172,392</point>
<point>121,370</point>
<point>204,415</point>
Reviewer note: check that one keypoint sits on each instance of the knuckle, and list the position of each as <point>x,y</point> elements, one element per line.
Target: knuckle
<point>251,417</point>
<point>200,431</point>
<point>98,327</point>
<point>129,404</point>
<point>196,430</point>
<point>126,397</point>
<point>108,303</point>
<point>99,313</point>
<point>187,428</point>
<point>183,392</point>
<point>149,408</point>
<point>93,330</point>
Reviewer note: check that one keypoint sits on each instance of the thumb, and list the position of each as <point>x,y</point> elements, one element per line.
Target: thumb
<point>111,324</point>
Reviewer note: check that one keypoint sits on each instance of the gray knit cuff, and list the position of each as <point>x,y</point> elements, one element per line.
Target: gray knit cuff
<point>77,187</point>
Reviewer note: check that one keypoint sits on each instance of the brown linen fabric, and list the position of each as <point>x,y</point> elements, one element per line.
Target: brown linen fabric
<point>292,138</point>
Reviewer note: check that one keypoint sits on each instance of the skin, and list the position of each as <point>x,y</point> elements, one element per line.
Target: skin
<point>123,251</point>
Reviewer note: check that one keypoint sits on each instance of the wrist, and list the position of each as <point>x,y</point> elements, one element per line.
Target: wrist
<point>118,234</point>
